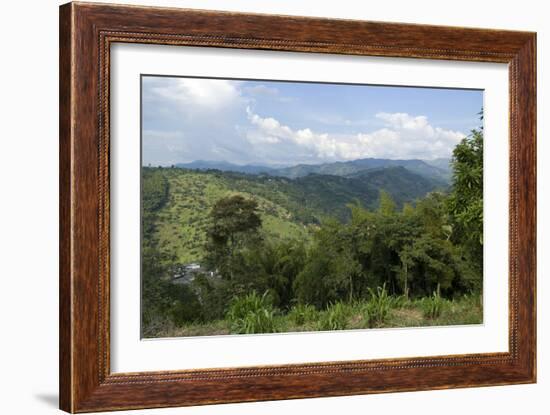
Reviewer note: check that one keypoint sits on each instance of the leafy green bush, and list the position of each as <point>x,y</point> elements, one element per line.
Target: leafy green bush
<point>378,306</point>
<point>334,318</point>
<point>301,314</point>
<point>251,314</point>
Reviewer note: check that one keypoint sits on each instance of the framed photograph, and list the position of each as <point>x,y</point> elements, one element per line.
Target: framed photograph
<point>259,207</point>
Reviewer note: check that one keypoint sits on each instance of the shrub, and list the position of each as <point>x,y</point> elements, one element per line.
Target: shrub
<point>302,313</point>
<point>378,306</point>
<point>251,314</point>
<point>334,318</point>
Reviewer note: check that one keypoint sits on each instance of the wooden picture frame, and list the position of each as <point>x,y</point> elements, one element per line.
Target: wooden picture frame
<point>86,33</point>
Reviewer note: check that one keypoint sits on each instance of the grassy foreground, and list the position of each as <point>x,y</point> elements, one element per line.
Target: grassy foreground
<point>252,314</point>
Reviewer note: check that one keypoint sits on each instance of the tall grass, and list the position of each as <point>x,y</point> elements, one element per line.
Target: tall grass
<point>433,306</point>
<point>335,317</point>
<point>251,314</point>
<point>378,306</point>
<point>301,314</point>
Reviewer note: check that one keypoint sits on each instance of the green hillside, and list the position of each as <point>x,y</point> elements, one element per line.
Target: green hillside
<point>182,223</point>
<point>289,208</point>
<point>400,183</point>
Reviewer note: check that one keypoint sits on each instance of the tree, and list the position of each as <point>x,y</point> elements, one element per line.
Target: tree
<point>387,204</point>
<point>410,250</point>
<point>465,202</point>
<point>331,272</point>
<point>406,258</point>
<point>280,262</point>
<point>232,217</point>
<point>235,223</point>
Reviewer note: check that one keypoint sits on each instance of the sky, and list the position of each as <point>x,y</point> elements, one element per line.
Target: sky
<point>280,123</point>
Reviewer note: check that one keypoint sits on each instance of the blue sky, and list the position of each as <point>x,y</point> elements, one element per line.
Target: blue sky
<point>284,123</point>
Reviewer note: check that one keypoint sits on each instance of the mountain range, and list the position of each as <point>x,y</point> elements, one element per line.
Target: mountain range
<point>226,166</point>
<point>438,170</point>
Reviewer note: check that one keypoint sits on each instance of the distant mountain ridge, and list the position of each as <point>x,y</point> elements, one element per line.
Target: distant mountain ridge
<point>438,169</point>
<point>443,164</point>
<point>225,166</point>
<point>348,168</point>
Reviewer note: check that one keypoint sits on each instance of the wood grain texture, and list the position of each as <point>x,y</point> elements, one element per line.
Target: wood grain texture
<point>86,33</point>
<point>65,246</point>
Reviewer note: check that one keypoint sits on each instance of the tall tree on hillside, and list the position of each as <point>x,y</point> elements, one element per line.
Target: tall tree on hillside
<point>234,223</point>
<point>466,199</point>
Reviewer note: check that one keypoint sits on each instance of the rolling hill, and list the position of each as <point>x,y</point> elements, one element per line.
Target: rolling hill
<point>288,207</point>
<point>400,183</point>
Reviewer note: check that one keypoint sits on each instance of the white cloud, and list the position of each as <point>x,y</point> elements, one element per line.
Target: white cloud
<point>190,119</point>
<point>403,120</point>
<point>411,136</point>
<point>404,136</point>
<point>211,94</point>
<point>269,130</point>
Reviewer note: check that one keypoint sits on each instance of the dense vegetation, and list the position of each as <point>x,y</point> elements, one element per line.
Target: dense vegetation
<point>378,247</point>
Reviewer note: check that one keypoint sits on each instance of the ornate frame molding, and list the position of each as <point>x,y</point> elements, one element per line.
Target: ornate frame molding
<point>86,33</point>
